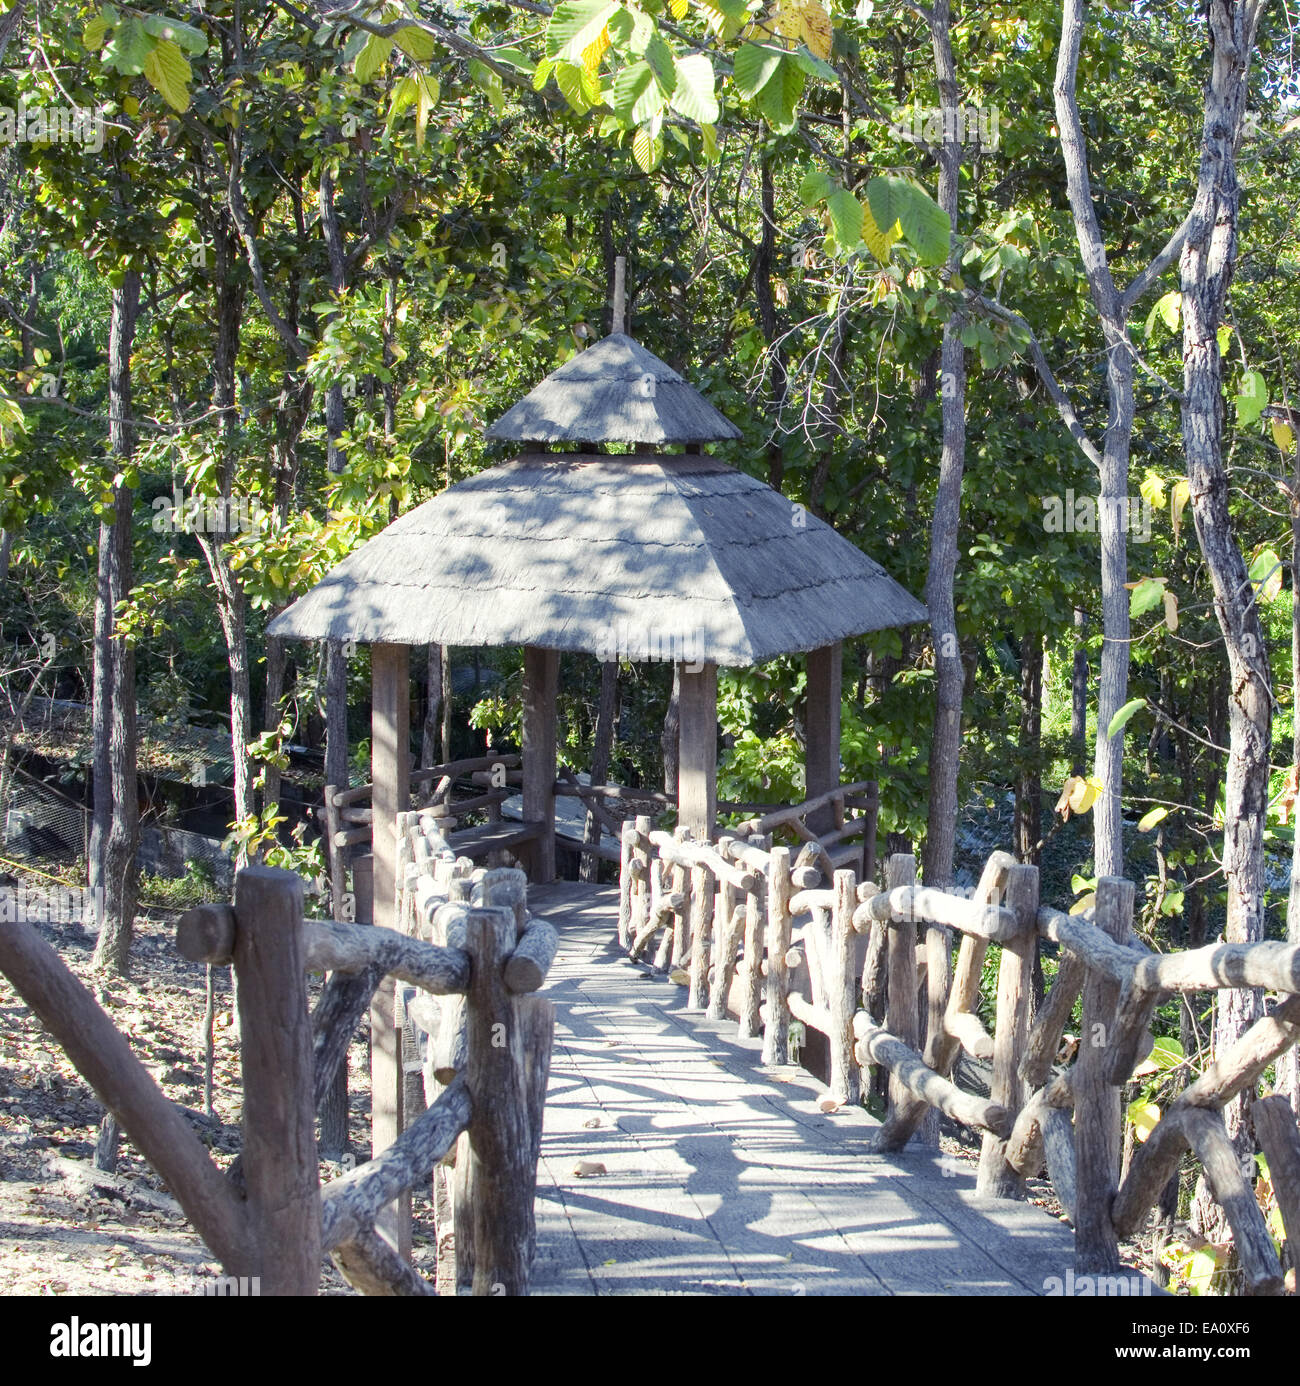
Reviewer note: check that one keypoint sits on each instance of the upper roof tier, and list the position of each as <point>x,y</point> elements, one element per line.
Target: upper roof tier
<point>614,392</point>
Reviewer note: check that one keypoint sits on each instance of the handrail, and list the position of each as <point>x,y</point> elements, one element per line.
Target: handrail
<point>758,927</point>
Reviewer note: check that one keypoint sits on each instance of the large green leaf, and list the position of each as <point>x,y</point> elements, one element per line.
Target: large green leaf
<point>779,98</point>
<point>184,36</point>
<point>816,187</point>
<point>920,218</point>
<point>693,96</point>
<point>1252,398</point>
<point>128,47</point>
<point>754,67</point>
<point>575,25</point>
<point>415,43</point>
<point>636,95</point>
<point>372,57</point>
<point>1148,593</point>
<point>660,58</point>
<point>846,218</point>
<point>1124,716</point>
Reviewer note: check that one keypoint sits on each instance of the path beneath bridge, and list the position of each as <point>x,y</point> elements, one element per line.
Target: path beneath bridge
<point>725,1178</point>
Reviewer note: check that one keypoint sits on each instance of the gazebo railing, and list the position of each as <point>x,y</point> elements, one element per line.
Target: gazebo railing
<point>753,935</point>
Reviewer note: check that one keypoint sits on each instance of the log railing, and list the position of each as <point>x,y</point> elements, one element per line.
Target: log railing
<point>472,960</point>
<point>761,938</point>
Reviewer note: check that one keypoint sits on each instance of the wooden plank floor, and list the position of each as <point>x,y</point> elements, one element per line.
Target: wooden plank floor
<point>724,1178</point>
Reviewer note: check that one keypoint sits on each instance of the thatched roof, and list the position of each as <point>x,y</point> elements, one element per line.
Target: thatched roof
<point>640,556</point>
<point>614,392</point>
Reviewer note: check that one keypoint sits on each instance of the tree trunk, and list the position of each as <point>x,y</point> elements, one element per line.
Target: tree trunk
<point>334,1105</point>
<point>601,752</point>
<point>670,739</point>
<point>764,265</point>
<point>950,680</point>
<point>115,832</point>
<point>1029,783</point>
<point>276,666</point>
<point>430,743</point>
<point>1288,1066</point>
<point>1079,696</point>
<point>1208,260</point>
<point>1112,526</point>
<point>335,419</point>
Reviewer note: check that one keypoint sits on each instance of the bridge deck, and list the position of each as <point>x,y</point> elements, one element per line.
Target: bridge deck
<point>723,1178</point>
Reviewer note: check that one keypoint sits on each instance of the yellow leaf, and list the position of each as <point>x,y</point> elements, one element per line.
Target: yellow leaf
<point>815,27</point>
<point>1084,794</point>
<point>679,8</point>
<point>1171,610</point>
<point>1145,1116</point>
<point>680,976</point>
<point>1283,435</point>
<point>1067,789</point>
<point>1178,498</point>
<point>595,51</point>
<point>1084,903</point>
<point>168,73</point>
<point>878,242</point>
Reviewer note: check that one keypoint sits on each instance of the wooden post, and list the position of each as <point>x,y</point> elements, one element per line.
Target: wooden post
<point>697,766</point>
<point>1015,991</point>
<point>390,774</point>
<point>280,1171</point>
<point>541,679</point>
<point>822,752</point>
<point>840,980</point>
<point>752,958</point>
<point>905,1110</point>
<point>702,888</point>
<point>776,1030</point>
<point>626,885</point>
<point>503,1036</point>
<point>1096,1102</point>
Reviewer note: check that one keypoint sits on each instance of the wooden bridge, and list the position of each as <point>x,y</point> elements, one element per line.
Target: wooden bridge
<point>672,1163</point>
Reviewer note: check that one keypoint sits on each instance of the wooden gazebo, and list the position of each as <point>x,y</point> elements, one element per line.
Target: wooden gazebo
<point>640,555</point>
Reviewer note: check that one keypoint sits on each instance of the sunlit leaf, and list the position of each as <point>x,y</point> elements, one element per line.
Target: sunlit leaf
<point>1149,820</point>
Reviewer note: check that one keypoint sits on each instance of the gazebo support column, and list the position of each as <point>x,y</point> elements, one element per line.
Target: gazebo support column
<point>822,750</point>
<point>390,773</point>
<point>541,680</point>
<point>697,763</point>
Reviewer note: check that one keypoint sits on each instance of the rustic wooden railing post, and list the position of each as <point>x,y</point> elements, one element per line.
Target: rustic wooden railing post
<point>1096,1101</point>
<point>996,1178</point>
<point>703,886</point>
<point>626,884</point>
<point>280,1169</point>
<point>509,1053</point>
<point>840,978</point>
<point>901,1010</point>
<point>776,1030</point>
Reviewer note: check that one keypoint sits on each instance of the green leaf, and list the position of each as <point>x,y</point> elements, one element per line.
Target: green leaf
<point>542,73</point>
<point>816,187</point>
<point>1224,338</point>
<point>1252,398</point>
<point>636,95</point>
<point>919,217</point>
<point>568,77</point>
<point>710,139</point>
<point>416,43</point>
<point>1144,1116</point>
<point>1168,309</point>
<point>169,74</point>
<point>1122,718</point>
<point>647,150</point>
<point>693,96</point>
<point>128,47</point>
<point>846,218</point>
<point>1148,593</point>
<point>1167,1052</point>
<point>516,58</point>
<point>754,67</point>
<point>1266,569</point>
<point>660,58</point>
<point>574,26</point>
<point>813,66</point>
<point>780,96</point>
<point>94,33</point>
<point>372,57</point>
<point>185,36</point>
<point>1149,820</point>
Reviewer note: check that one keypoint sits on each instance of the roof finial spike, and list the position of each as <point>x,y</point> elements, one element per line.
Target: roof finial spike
<point>616,317</point>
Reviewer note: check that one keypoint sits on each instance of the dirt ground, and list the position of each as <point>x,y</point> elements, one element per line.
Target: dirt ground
<point>67,1228</point>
